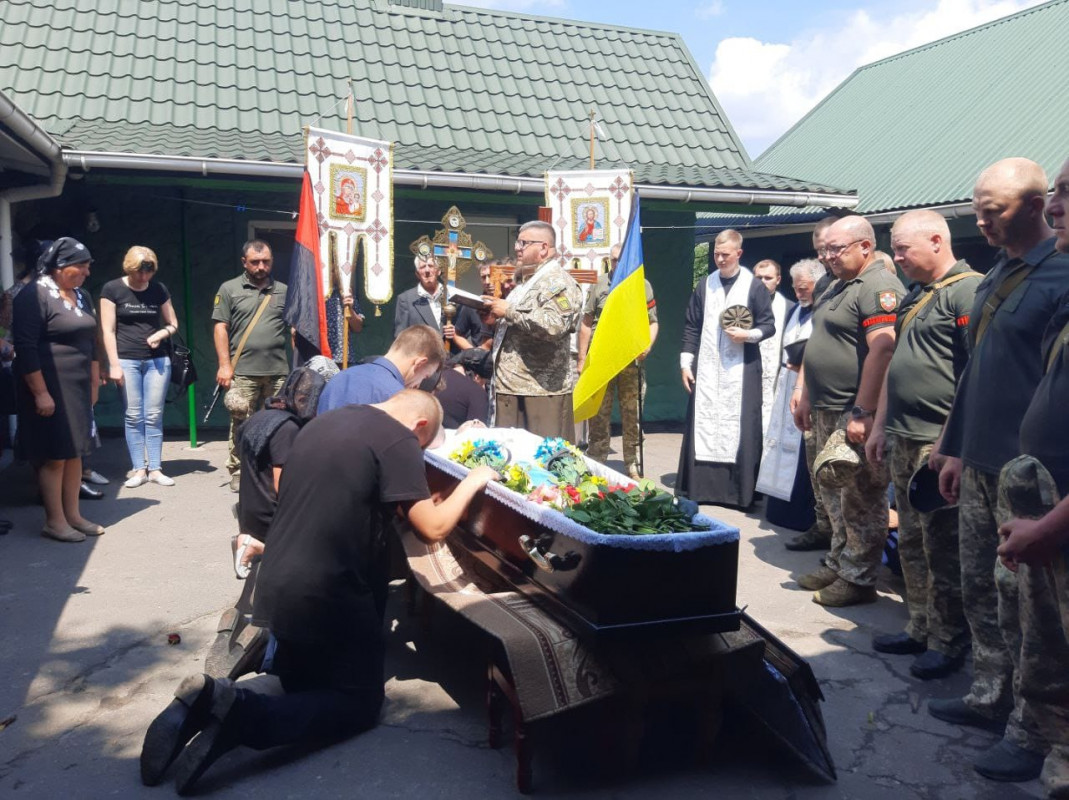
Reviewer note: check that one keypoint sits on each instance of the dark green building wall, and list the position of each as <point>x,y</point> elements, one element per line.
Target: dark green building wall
<point>197,227</point>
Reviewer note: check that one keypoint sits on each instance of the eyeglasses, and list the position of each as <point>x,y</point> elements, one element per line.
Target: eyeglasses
<point>522,244</point>
<point>836,250</point>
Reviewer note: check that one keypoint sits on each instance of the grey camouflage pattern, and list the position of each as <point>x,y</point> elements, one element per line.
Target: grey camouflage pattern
<point>928,549</point>
<point>859,531</point>
<point>823,519</point>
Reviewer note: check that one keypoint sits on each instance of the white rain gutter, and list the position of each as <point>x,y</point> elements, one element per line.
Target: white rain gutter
<point>32,134</point>
<point>86,160</point>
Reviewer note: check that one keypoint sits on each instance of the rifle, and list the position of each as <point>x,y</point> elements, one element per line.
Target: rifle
<point>211,405</point>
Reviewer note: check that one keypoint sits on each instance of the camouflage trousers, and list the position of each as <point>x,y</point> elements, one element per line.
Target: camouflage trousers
<point>988,592</point>
<point>251,392</point>
<point>859,530</point>
<point>928,548</point>
<point>823,521</point>
<point>628,385</point>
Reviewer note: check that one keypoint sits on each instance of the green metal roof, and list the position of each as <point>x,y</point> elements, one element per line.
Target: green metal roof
<point>915,129</point>
<point>459,89</point>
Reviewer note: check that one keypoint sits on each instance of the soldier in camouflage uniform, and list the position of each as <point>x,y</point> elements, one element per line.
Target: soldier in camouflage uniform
<point>533,381</point>
<point>931,349</point>
<point>842,372</point>
<point>1036,545</point>
<point>628,384</point>
<point>1013,305</point>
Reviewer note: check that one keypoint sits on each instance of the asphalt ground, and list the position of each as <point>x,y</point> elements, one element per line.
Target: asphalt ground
<point>86,665</point>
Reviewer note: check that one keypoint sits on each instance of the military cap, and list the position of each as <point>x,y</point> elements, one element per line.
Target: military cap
<point>923,491</point>
<point>837,462</point>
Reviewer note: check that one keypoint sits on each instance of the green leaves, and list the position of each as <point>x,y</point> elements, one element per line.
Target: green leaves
<point>641,510</point>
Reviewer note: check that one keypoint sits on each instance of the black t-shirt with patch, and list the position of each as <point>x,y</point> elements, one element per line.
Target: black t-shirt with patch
<point>324,574</point>
<point>258,500</point>
<point>137,316</point>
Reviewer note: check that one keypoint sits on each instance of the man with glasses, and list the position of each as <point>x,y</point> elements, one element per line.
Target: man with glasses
<point>627,384</point>
<point>262,365</point>
<point>533,381</point>
<point>422,305</point>
<point>846,359</point>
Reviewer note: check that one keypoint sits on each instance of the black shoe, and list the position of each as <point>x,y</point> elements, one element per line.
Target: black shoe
<point>217,738</point>
<point>812,539</point>
<point>87,492</point>
<point>934,664</point>
<point>175,726</point>
<point>897,644</point>
<point>1008,762</point>
<point>956,712</point>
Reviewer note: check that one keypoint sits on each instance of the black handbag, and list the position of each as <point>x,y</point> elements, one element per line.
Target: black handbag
<point>183,372</point>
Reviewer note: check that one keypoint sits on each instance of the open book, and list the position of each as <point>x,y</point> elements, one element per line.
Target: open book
<point>464,298</point>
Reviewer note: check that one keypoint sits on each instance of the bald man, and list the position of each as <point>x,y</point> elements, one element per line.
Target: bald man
<point>322,589</point>
<point>931,349</point>
<point>839,386</point>
<point>1013,306</point>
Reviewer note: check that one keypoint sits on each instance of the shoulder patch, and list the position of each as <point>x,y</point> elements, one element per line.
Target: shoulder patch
<point>562,302</point>
<point>217,300</point>
<point>963,321</point>
<point>888,301</point>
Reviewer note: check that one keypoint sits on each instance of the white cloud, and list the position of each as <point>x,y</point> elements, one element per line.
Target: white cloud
<point>765,87</point>
<point>709,9</point>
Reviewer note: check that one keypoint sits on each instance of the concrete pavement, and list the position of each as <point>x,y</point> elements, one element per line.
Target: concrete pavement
<point>86,665</point>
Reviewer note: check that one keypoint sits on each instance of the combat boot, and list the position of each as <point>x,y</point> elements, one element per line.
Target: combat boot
<point>821,577</point>
<point>843,593</point>
<point>812,539</point>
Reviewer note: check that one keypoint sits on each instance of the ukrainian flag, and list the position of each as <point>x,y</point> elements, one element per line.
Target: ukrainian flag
<point>623,330</point>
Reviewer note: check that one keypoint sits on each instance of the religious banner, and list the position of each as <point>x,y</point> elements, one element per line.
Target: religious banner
<point>590,213</point>
<point>352,187</point>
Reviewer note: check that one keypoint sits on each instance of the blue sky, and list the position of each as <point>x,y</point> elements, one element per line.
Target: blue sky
<point>770,61</point>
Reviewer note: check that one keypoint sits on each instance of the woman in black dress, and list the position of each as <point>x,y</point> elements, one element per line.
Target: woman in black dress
<point>58,373</point>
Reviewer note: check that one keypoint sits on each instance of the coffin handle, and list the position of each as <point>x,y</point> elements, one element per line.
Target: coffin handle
<point>550,562</point>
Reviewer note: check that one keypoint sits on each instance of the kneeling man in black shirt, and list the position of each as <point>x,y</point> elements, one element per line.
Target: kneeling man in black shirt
<point>322,589</point>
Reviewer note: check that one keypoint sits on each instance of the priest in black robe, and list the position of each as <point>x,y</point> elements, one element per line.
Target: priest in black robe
<point>721,369</point>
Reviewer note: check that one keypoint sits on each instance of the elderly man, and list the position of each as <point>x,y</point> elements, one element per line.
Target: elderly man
<point>627,384</point>
<point>931,348</point>
<point>768,272</point>
<point>1013,306</point>
<point>845,362</point>
<point>784,475</point>
<point>729,313</point>
<point>818,536</point>
<point>422,305</point>
<point>1036,548</point>
<point>250,336</point>
<point>532,384</point>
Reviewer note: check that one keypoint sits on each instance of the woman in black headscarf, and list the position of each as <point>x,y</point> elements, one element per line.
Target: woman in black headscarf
<point>58,375</point>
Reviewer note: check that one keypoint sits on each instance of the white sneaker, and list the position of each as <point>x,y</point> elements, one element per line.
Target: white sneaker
<point>92,476</point>
<point>160,478</point>
<point>135,480</point>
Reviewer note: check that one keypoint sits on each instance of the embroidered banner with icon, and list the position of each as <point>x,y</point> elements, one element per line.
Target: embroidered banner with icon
<point>590,213</point>
<point>352,187</point>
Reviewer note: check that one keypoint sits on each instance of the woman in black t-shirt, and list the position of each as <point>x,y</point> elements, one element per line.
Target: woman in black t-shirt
<point>137,317</point>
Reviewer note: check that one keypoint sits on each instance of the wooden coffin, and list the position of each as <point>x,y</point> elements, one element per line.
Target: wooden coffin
<point>598,585</point>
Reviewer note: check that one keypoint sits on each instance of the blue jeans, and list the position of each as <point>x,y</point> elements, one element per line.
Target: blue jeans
<point>146,382</point>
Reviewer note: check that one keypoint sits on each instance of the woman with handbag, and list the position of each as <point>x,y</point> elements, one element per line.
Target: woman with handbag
<point>137,319</point>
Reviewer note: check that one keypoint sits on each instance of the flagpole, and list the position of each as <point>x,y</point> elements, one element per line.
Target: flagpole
<point>592,138</point>
<point>347,311</point>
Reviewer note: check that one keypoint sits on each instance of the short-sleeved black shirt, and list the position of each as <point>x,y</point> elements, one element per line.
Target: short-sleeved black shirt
<point>462,399</point>
<point>257,497</point>
<point>324,573</point>
<point>837,348</point>
<point>1006,364</point>
<point>137,316</point>
<point>930,355</point>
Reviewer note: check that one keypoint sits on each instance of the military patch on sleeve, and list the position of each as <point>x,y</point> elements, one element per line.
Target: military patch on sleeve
<point>888,301</point>
<point>217,299</point>
<point>562,302</point>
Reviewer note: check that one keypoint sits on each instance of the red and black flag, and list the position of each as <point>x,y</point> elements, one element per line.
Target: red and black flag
<point>305,308</point>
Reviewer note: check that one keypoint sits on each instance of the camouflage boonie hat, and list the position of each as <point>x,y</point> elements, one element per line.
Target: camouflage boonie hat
<point>1026,489</point>
<point>837,462</point>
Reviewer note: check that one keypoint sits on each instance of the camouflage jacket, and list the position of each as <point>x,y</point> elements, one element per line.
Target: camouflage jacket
<point>532,356</point>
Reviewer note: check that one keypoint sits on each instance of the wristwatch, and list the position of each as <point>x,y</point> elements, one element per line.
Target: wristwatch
<point>857,412</point>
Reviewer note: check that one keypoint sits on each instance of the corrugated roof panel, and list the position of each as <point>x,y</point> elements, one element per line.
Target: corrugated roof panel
<point>480,89</point>
<point>917,128</point>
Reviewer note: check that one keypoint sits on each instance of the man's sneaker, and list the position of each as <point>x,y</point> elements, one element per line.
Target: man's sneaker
<point>897,644</point>
<point>1008,762</point>
<point>843,593</point>
<point>812,539</point>
<point>186,715</point>
<point>823,576</point>
<point>957,712</point>
<point>934,664</point>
